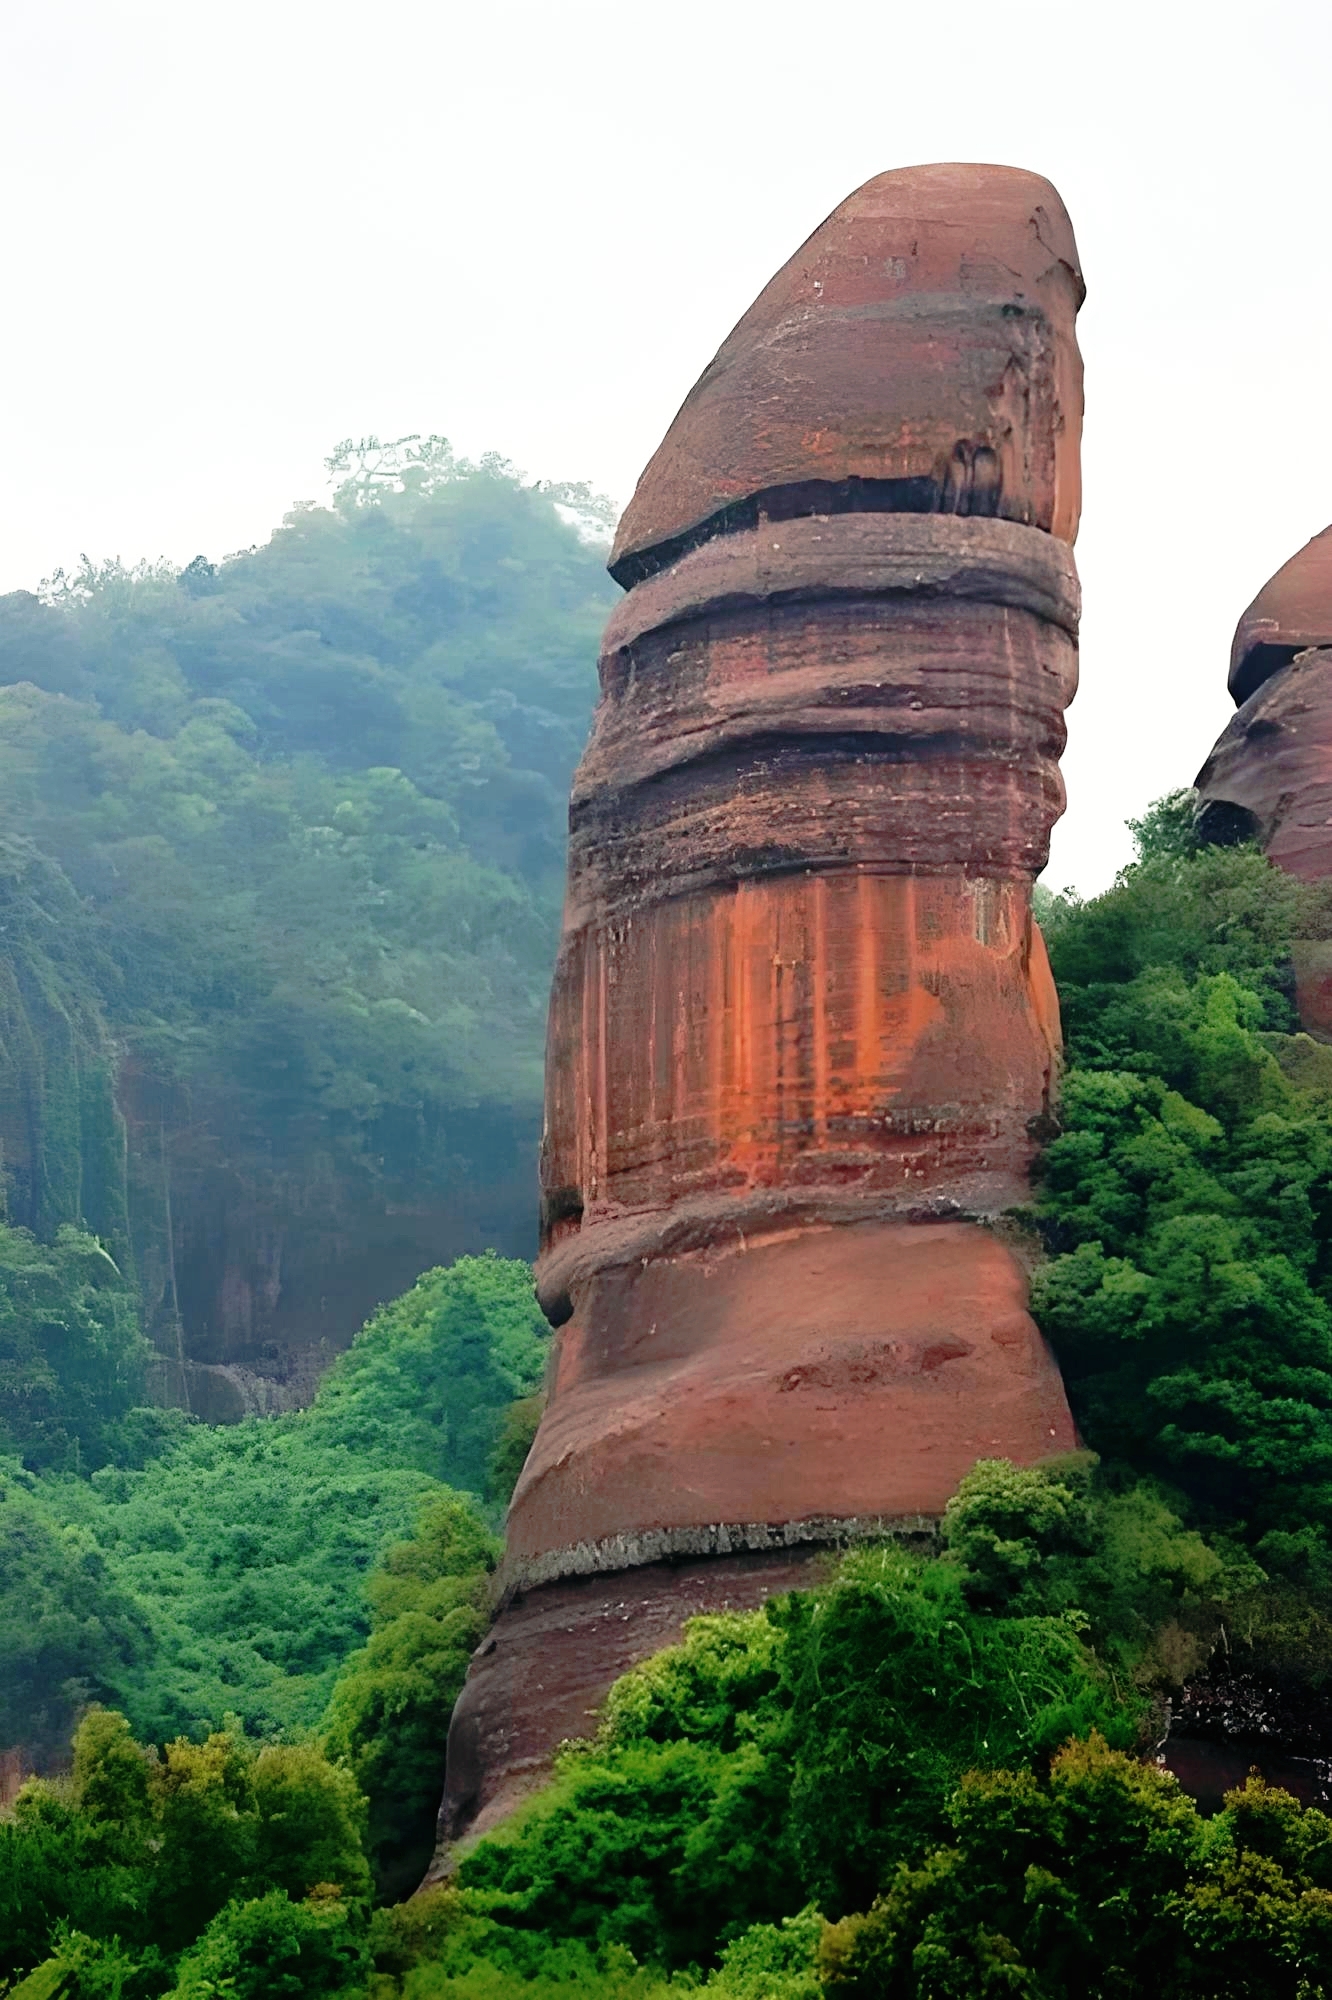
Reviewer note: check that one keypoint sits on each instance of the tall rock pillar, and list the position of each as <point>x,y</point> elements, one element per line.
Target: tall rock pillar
<point>1269,776</point>
<point>803,1033</point>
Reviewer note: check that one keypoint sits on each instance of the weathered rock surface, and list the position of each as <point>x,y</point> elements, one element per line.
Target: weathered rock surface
<point>921,341</point>
<point>1269,775</point>
<point>1272,766</point>
<point>808,1372</point>
<point>803,1034</point>
<point>1290,613</point>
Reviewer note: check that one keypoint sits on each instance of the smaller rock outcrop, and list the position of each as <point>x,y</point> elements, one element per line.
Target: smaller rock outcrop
<point>1269,776</point>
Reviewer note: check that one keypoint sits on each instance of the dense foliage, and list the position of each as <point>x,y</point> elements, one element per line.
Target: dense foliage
<point>1188,1197</point>
<point>138,1854</point>
<point>1099,1878</point>
<point>73,1361</point>
<point>785,1756</point>
<point>796,1754</point>
<point>69,1633</point>
<point>772,1770</point>
<point>387,1719</point>
<point>220,1570</point>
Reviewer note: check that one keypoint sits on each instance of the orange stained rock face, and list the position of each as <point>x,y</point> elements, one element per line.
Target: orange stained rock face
<point>798,943</point>
<point>857,1033</point>
<point>800,988</point>
<point>917,354</point>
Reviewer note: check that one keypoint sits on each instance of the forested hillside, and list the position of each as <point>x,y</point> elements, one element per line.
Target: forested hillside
<point>281,845</point>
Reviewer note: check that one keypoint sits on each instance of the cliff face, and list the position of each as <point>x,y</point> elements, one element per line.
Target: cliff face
<point>1269,775</point>
<point>803,1032</point>
<point>257,1248</point>
<point>259,1253</point>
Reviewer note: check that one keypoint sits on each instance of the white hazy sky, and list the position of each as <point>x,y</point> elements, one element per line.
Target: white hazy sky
<point>233,234</point>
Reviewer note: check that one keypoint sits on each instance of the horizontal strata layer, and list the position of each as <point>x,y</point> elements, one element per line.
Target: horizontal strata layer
<point>891,728</point>
<point>1292,612</point>
<point>717,1222</point>
<point>618,1552</point>
<point>862,555</point>
<point>878,1034</point>
<point>1273,764</point>
<point>800,1003</point>
<point>821,1374</point>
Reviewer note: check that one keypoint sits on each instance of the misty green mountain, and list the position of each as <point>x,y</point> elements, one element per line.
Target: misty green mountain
<point>281,857</point>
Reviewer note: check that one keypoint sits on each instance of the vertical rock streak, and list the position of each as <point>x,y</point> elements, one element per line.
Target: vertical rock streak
<point>802,1023</point>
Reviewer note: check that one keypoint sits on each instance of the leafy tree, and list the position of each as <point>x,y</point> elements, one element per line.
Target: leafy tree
<point>430,1381</point>
<point>72,1357</point>
<point>144,1851</point>
<point>1188,1197</point>
<point>1216,910</point>
<point>1100,1879</point>
<point>272,1946</point>
<point>509,1456</point>
<point>896,1691</point>
<point>782,1755</point>
<point>772,1961</point>
<point>69,1634</point>
<point>389,1713</point>
<point>1112,1556</point>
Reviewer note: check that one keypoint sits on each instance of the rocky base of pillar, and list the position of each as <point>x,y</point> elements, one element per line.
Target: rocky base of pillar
<point>540,1676</point>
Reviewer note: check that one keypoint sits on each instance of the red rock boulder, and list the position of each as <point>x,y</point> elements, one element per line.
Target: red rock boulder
<point>1269,775</point>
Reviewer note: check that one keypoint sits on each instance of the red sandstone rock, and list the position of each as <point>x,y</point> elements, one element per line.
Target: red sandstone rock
<point>921,340</point>
<point>800,985</point>
<point>1291,612</point>
<point>803,1031</point>
<point>1269,775</point>
<point>1273,763</point>
<point>820,1375</point>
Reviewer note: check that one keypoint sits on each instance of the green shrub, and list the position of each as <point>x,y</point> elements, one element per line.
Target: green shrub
<point>1112,1554</point>
<point>73,1359</point>
<point>70,1633</point>
<point>388,1716</point>
<point>148,1849</point>
<point>222,1570</point>
<point>271,1947</point>
<point>1099,1879</point>
<point>1188,1198</point>
<point>896,1689</point>
<point>783,1755</point>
